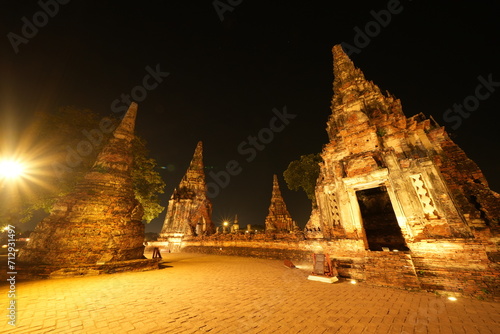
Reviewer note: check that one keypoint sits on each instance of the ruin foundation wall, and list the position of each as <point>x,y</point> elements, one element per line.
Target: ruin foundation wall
<point>459,267</point>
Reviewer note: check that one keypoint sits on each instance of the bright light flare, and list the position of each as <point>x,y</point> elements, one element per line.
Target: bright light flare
<point>452,298</point>
<point>11,169</point>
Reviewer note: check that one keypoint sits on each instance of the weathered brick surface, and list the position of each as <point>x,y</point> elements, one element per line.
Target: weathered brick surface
<point>189,211</point>
<point>100,220</point>
<point>391,269</point>
<point>445,216</point>
<point>460,266</point>
<point>279,219</point>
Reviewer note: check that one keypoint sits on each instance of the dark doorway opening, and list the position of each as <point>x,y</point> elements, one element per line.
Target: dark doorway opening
<point>379,220</point>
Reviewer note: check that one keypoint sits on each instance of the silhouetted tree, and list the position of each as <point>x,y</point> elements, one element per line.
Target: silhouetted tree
<point>303,174</point>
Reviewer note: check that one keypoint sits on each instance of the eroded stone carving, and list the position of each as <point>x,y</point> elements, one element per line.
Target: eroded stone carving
<point>424,196</point>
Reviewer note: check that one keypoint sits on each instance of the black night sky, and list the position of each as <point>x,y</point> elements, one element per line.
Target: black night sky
<point>226,77</point>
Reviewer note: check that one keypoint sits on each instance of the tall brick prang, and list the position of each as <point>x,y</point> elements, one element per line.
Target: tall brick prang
<point>390,183</point>
<point>189,210</point>
<point>101,220</point>
<point>278,218</point>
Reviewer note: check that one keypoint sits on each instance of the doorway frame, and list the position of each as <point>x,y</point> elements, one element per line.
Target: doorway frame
<point>379,178</point>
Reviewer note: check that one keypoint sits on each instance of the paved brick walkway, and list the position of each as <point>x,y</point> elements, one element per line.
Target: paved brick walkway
<point>221,294</point>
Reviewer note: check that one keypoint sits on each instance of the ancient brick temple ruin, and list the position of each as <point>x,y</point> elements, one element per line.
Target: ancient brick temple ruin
<point>398,202</point>
<point>101,220</point>
<point>189,210</point>
<point>279,220</point>
<point>390,183</point>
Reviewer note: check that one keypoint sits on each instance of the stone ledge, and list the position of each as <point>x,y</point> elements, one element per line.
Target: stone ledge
<point>28,271</point>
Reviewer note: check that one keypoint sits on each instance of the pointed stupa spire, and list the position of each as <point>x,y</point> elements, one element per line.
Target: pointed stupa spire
<point>278,219</point>
<point>189,210</point>
<point>197,161</point>
<point>195,174</point>
<point>126,128</point>
<point>356,100</point>
<point>276,187</point>
<point>349,82</point>
<point>342,64</point>
<point>116,154</point>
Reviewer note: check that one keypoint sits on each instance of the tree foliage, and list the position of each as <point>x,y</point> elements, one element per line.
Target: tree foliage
<point>303,174</point>
<point>62,139</point>
<point>147,181</point>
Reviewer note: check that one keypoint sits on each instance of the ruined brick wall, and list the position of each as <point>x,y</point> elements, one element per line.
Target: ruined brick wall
<point>477,202</point>
<point>461,267</point>
<point>394,269</point>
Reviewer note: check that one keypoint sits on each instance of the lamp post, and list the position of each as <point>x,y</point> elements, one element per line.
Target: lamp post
<point>225,224</point>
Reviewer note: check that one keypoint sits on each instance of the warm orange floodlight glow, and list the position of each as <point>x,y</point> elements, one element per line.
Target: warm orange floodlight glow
<point>11,169</point>
<point>27,159</point>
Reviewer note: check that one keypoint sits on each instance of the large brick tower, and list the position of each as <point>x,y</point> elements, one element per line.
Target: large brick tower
<point>278,218</point>
<point>392,183</point>
<point>101,220</point>
<point>189,210</point>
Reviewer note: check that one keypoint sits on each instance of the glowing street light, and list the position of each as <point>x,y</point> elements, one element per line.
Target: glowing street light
<point>10,169</point>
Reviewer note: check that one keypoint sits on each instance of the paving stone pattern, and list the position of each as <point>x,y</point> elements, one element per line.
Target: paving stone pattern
<point>222,294</point>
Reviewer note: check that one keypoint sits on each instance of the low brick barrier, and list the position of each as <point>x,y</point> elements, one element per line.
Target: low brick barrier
<point>457,267</point>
